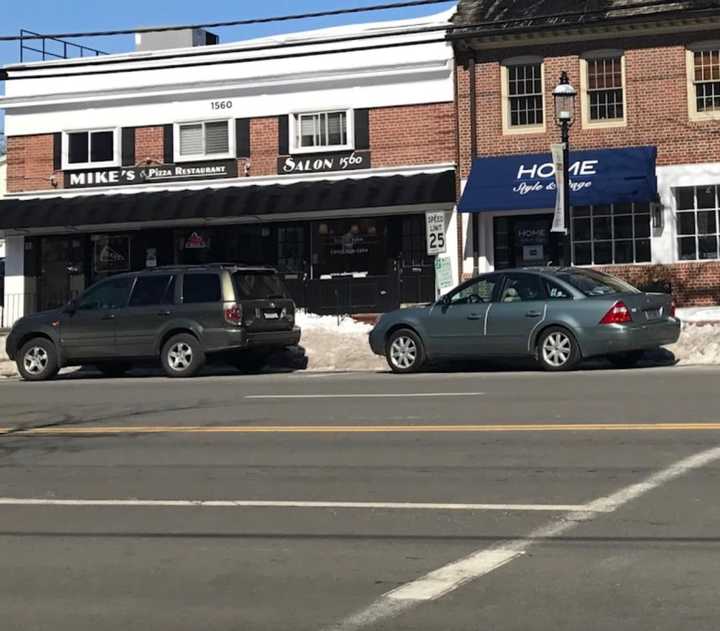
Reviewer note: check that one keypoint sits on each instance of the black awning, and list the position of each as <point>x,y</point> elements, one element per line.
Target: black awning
<point>229,202</point>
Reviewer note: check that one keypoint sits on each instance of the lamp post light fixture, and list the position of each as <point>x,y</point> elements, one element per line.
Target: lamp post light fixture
<point>564,95</point>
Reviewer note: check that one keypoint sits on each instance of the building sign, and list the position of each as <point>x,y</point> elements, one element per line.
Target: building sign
<point>435,223</point>
<point>112,254</point>
<point>525,182</point>
<point>443,275</point>
<point>323,163</point>
<point>196,242</point>
<point>128,176</point>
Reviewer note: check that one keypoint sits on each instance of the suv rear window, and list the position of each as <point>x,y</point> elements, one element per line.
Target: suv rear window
<point>199,288</point>
<point>259,285</point>
<point>596,284</point>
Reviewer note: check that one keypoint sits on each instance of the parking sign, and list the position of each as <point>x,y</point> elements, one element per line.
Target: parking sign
<point>435,222</point>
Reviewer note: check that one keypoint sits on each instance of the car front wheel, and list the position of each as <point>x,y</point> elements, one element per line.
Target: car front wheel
<point>558,350</point>
<point>405,352</point>
<point>38,360</point>
<point>182,356</point>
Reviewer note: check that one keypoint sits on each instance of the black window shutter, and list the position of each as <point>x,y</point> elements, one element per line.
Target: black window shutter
<point>242,137</point>
<point>283,135</point>
<point>362,129</point>
<point>57,151</point>
<point>128,146</point>
<point>168,140</point>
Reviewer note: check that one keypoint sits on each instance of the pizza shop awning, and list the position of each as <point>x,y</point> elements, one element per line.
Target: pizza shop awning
<point>524,182</point>
<point>227,203</point>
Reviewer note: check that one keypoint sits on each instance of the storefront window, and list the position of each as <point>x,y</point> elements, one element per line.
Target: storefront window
<point>351,246</point>
<point>697,222</point>
<point>611,234</point>
<point>291,249</point>
<point>111,254</point>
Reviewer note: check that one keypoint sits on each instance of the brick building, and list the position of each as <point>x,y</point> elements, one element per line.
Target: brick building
<point>319,161</point>
<point>648,83</point>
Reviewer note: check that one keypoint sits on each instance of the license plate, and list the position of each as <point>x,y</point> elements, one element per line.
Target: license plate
<point>653,314</point>
<point>271,315</point>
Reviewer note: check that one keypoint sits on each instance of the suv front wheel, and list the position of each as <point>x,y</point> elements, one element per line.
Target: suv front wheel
<point>38,360</point>
<point>182,356</point>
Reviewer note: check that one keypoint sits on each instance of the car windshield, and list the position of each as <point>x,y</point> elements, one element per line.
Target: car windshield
<point>595,283</point>
<point>259,285</point>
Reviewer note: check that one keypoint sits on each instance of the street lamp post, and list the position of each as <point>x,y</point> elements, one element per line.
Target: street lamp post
<point>564,95</point>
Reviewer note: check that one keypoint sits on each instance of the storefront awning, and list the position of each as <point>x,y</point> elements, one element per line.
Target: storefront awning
<point>227,203</point>
<point>524,182</point>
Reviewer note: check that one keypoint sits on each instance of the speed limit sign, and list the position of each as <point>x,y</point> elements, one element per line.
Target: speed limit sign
<point>435,222</point>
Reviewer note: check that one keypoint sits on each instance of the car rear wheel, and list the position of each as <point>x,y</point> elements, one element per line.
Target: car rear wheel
<point>626,360</point>
<point>558,350</point>
<point>182,356</point>
<point>38,360</point>
<point>405,352</point>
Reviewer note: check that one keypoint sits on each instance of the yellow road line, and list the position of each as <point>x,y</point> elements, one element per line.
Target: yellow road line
<point>364,429</point>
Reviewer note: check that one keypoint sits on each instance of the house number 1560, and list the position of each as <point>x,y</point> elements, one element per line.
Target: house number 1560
<point>221,105</point>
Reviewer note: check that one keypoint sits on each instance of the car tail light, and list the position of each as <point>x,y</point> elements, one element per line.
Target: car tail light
<point>618,314</point>
<point>234,314</point>
<point>673,308</point>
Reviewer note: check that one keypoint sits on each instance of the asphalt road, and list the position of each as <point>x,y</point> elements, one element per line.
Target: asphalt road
<point>443,502</point>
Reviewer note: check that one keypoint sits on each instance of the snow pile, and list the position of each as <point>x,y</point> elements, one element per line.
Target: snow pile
<point>698,344</point>
<point>337,345</point>
<point>699,314</point>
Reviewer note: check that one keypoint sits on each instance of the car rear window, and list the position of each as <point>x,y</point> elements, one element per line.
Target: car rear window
<point>199,288</point>
<point>596,284</point>
<point>259,285</point>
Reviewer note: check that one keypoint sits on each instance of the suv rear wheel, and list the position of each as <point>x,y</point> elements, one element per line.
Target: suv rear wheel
<point>38,360</point>
<point>182,356</point>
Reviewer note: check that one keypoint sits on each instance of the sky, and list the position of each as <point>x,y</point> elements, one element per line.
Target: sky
<point>47,16</point>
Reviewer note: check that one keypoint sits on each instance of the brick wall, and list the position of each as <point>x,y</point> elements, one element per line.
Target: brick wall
<point>693,283</point>
<point>414,134</point>
<point>263,146</point>
<point>149,144</point>
<point>30,163</point>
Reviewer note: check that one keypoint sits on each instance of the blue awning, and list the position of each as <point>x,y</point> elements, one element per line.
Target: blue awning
<point>524,182</point>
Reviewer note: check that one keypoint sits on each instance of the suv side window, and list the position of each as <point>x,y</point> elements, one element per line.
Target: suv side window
<point>201,288</point>
<point>153,290</point>
<point>481,289</point>
<point>112,294</point>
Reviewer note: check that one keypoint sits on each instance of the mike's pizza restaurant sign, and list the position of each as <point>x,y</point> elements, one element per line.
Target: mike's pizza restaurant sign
<point>128,176</point>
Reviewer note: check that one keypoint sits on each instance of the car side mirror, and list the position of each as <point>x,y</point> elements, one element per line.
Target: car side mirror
<point>71,307</point>
<point>444,300</point>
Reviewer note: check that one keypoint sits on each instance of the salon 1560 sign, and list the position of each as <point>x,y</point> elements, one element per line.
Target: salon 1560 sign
<point>323,163</point>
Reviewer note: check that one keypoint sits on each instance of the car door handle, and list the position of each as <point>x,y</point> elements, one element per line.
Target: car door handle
<point>533,314</point>
<point>109,316</point>
<point>164,314</point>
<point>475,316</point>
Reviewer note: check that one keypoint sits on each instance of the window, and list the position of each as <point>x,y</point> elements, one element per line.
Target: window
<point>593,283</point>
<point>522,288</point>
<point>555,292</point>
<point>523,92</point>
<point>199,288</point>
<point>706,80</point>
<point>90,148</point>
<point>697,222</point>
<point>111,294</point>
<point>291,249</point>
<point>322,130</point>
<point>611,233</point>
<point>210,139</point>
<point>479,290</point>
<point>603,86</point>
<point>251,285</point>
<point>153,290</point>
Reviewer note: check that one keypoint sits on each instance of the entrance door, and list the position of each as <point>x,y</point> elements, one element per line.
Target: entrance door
<point>61,275</point>
<point>524,241</point>
<point>519,310</point>
<point>458,328</point>
<point>89,332</point>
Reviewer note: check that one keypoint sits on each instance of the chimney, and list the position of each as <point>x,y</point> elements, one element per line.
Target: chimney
<point>186,38</point>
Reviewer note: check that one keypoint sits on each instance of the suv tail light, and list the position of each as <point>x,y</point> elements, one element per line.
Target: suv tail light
<point>618,314</point>
<point>673,308</point>
<point>233,314</point>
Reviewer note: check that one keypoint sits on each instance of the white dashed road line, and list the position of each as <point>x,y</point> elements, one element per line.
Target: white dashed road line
<point>450,577</point>
<point>363,395</point>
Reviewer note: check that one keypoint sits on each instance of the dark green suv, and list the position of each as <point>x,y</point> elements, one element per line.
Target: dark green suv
<point>181,316</point>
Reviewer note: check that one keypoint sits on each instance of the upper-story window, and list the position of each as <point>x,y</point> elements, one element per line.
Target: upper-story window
<point>523,95</point>
<point>704,80</point>
<point>315,131</point>
<point>603,79</point>
<point>91,148</point>
<point>697,222</point>
<point>203,140</point>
